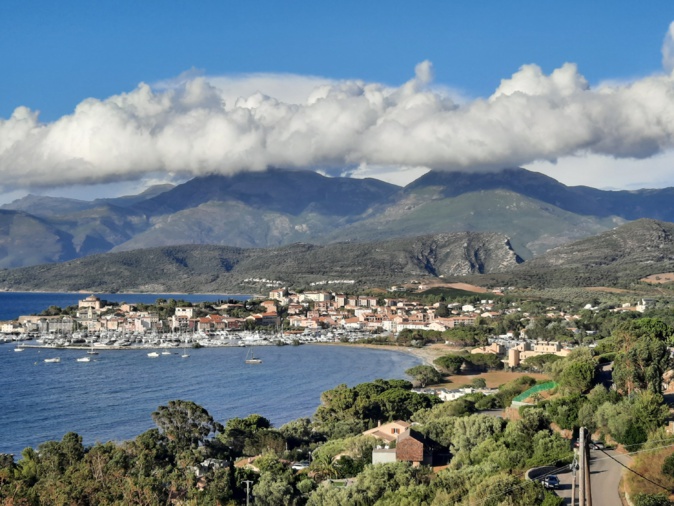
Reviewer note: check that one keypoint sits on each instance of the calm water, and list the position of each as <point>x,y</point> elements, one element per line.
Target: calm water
<point>112,397</point>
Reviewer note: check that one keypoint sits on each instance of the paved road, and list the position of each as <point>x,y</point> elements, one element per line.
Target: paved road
<point>604,475</point>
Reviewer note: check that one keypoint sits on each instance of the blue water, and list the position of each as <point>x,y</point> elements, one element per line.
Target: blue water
<point>15,304</point>
<point>112,397</point>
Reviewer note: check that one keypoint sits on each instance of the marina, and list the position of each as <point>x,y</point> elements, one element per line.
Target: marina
<point>152,340</point>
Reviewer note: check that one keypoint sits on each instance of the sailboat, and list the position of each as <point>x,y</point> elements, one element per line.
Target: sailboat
<point>92,351</point>
<point>185,354</point>
<point>250,357</point>
<point>84,359</point>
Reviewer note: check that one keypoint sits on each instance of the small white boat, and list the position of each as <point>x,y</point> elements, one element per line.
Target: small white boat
<point>185,355</point>
<point>250,358</point>
<point>153,354</point>
<point>52,360</point>
<point>84,359</point>
<point>19,349</point>
<point>166,352</point>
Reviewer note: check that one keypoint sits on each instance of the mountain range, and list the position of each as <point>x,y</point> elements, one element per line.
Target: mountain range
<point>280,207</point>
<point>618,257</point>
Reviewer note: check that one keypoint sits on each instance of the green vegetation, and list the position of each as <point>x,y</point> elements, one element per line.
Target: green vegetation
<point>161,465</point>
<point>424,375</point>
<point>190,457</point>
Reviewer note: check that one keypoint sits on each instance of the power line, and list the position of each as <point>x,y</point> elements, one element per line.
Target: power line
<point>637,451</point>
<point>523,484</point>
<point>562,468</point>
<point>638,474</point>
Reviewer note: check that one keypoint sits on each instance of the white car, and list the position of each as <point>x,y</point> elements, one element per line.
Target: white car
<point>298,466</point>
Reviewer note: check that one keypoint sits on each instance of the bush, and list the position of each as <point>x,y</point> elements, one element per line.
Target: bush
<point>651,500</point>
<point>668,466</point>
<point>488,402</point>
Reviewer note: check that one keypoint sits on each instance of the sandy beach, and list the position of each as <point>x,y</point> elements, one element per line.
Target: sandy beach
<point>427,354</point>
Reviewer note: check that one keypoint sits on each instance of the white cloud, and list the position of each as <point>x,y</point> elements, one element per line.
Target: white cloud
<point>199,125</point>
<point>608,173</point>
<point>398,175</point>
<point>668,50</point>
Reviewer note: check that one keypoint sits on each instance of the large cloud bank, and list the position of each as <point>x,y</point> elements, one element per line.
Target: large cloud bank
<point>198,127</point>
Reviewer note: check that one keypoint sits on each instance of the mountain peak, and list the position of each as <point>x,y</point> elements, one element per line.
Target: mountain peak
<point>278,190</point>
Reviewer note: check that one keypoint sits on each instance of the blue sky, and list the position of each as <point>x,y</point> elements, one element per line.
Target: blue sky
<point>54,56</point>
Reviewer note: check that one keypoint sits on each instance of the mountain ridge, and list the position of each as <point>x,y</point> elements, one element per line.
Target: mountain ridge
<point>278,206</point>
<point>208,268</point>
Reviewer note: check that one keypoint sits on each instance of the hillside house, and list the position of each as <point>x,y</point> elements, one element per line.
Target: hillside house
<point>389,431</point>
<point>411,446</point>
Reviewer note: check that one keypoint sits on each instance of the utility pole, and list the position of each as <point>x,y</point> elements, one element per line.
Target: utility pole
<point>588,482</point>
<point>247,482</point>
<point>581,459</point>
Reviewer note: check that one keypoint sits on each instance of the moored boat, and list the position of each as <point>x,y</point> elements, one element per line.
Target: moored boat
<point>52,360</point>
<point>153,354</point>
<point>251,359</point>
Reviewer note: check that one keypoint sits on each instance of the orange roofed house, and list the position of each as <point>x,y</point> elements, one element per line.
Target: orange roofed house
<point>410,446</point>
<point>389,431</point>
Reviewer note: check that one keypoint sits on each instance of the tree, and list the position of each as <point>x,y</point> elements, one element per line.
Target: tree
<point>484,361</point>
<point>643,356</point>
<point>424,374</point>
<point>239,433</point>
<point>450,363</point>
<point>478,383</point>
<point>538,362</point>
<point>185,423</point>
<point>577,376</point>
<point>275,490</point>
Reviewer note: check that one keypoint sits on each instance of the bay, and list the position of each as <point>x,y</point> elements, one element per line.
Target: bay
<point>112,397</point>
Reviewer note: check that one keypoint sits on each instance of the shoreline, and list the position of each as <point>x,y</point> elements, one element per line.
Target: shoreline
<point>427,354</point>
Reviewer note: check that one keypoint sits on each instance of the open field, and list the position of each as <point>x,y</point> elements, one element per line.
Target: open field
<point>493,378</point>
<point>656,279</point>
<point>434,283</point>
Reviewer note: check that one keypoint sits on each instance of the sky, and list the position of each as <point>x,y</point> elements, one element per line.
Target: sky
<point>106,98</point>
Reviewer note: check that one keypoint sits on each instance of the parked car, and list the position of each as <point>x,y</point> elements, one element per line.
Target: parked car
<point>596,445</point>
<point>551,482</point>
<point>298,466</point>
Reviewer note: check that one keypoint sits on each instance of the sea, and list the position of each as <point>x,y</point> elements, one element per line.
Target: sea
<point>112,397</point>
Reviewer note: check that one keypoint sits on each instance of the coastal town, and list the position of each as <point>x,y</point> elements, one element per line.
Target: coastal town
<point>286,317</point>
